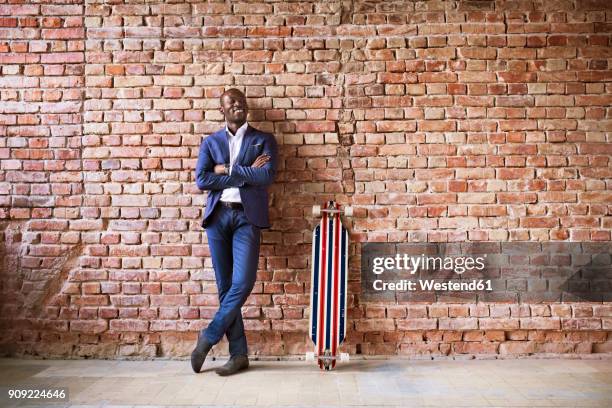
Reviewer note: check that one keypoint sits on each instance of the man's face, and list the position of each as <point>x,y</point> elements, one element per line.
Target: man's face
<point>234,107</point>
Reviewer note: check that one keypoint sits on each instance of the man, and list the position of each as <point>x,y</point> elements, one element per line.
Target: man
<point>235,165</point>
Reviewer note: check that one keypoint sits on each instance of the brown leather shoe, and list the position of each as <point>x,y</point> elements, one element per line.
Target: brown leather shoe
<point>198,355</point>
<point>234,364</point>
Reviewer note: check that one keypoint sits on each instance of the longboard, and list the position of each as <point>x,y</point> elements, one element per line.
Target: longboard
<point>328,293</point>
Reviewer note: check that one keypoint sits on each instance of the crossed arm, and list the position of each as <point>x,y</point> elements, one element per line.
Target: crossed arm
<point>211,176</point>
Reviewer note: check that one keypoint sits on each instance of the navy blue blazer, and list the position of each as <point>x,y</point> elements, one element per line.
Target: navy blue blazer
<point>252,182</point>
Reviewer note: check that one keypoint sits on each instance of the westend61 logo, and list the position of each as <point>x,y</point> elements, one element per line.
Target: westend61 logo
<point>411,264</point>
<point>487,271</point>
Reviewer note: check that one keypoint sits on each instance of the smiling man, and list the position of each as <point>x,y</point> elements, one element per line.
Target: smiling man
<point>235,165</point>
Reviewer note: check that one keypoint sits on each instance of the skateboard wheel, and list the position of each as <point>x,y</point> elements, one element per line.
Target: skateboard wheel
<point>348,211</point>
<point>310,356</point>
<point>344,357</point>
<point>316,210</point>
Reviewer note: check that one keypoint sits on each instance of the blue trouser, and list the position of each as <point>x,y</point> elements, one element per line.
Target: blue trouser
<point>234,247</point>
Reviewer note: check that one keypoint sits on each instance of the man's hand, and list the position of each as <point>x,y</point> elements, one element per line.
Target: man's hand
<point>219,169</point>
<point>260,161</point>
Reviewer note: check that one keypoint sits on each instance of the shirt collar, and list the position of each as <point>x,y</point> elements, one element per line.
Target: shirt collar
<point>241,130</point>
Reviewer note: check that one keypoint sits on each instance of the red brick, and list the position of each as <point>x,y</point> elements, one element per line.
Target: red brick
<point>498,324</point>
<point>91,326</point>
<point>416,324</point>
<point>458,323</point>
<point>517,347</point>
<point>475,348</point>
<point>19,10</point>
<point>542,323</point>
<point>128,325</point>
<point>62,33</point>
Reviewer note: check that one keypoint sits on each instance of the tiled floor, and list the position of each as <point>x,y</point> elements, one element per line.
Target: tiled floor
<point>358,383</point>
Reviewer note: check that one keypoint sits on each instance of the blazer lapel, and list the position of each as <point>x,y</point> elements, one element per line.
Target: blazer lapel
<point>224,145</point>
<point>246,142</point>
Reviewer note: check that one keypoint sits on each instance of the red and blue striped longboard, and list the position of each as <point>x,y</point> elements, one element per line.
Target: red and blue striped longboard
<point>328,295</point>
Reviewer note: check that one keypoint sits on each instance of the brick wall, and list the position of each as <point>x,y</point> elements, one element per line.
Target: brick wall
<point>440,121</point>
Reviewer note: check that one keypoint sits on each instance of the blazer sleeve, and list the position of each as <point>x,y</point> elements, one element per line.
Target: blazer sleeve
<point>206,179</point>
<point>260,176</point>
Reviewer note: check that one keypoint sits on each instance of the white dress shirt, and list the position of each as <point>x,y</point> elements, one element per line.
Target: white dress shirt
<point>235,141</point>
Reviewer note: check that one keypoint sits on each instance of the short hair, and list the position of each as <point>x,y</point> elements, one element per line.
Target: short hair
<point>227,92</point>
